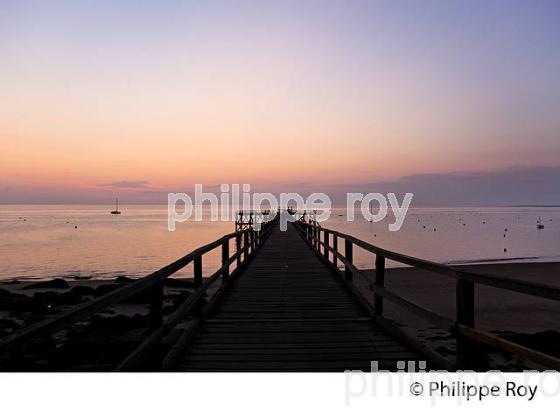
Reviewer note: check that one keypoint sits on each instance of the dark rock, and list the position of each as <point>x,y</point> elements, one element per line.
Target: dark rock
<point>8,326</point>
<point>182,294</point>
<point>444,351</point>
<point>22,303</point>
<point>49,284</point>
<point>141,297</point>
<point>168,310</point>
<point>12,302</point>
<point>52,299</point>
<point>116,325</point>
<point>123,279</point>
<point>82,290</point>
<point>547,341</point>
<point>104,289</point>
<point>178,283</point>
<point>4,293</point>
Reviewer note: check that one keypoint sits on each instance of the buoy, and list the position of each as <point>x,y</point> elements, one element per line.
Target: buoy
<point>505,249</point>
<point>76,227</point>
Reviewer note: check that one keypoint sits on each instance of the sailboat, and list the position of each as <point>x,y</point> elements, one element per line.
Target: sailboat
<point>116,210</point>
<point>540,224</point>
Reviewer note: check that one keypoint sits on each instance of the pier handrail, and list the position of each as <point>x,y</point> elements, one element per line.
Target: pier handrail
<point>463,327</point>
<point>247,241</point>
<point>165,326</point>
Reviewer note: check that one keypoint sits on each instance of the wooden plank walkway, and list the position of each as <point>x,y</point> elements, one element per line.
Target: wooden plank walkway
<point>289,312</point>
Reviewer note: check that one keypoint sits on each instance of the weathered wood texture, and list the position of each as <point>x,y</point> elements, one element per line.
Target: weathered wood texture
<point>288,312</point>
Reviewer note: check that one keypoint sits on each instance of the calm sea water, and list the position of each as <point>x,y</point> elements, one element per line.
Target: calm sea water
<point>462,235</point>
<point>42,241</point>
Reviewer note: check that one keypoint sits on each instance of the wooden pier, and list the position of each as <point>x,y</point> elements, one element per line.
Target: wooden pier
<point>289,301</point>
<point>289,312</point>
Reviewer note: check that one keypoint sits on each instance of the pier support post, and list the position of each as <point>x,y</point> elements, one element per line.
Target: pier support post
<point>379,281</point>
<point>314,233</point>
<point>468,358</point>
<point>245,245</point>
<point>156,305</point>
<point>238,249</point>
<point>326,245</point>
<point>335,247</point>
<point>349,256</point>
<point>225,260</point>
<point>197,271</point>
<point>312,236</point>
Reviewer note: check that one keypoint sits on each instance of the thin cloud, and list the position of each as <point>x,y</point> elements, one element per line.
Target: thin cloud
<point>128,185</point>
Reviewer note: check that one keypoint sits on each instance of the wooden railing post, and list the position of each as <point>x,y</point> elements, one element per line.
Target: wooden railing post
<point>156,305</point>
<point>315,236</point>
<point>318,238</point>
<point>335,247</point>
<point>225,260</point>
<point>252,233</point>
<point>379,281</point>
<point>197,271</point>
<point>238,248</point>
<point>245,245</point>
<point>326,245</point>
<point>349,255</point>
<point>467,355</point>
<point>312,229</point>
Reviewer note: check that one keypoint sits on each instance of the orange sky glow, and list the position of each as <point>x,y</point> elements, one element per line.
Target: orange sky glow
<point>269,95</point>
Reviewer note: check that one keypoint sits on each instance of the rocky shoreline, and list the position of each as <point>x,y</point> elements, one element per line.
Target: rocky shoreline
<point>93,345</point>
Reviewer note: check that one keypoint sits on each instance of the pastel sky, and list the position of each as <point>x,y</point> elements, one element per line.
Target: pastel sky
<point>103,98</point>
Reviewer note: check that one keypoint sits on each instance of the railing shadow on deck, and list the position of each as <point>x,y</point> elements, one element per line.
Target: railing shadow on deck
<point>247,242</point>
<point>462,327</point>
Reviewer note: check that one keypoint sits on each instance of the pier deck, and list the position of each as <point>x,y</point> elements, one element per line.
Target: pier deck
<point>288,312</point>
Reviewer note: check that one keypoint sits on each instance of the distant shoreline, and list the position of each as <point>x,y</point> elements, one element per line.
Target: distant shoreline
<point>531,206</point>
<point>334,205</point>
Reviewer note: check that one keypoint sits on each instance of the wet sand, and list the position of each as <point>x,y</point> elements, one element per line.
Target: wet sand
<point>496,309</point>
<point>499,311</point>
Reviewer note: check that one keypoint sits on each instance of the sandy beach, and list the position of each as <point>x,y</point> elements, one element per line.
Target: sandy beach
<point>522,318</point>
